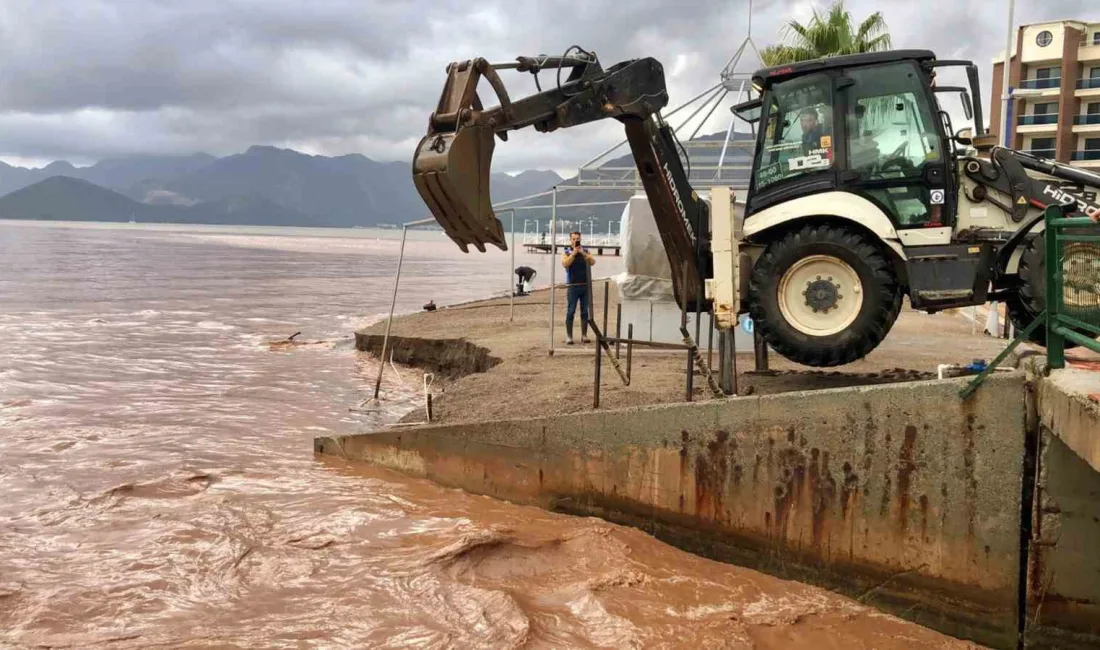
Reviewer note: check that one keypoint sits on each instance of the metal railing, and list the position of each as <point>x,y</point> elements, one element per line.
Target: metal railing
<point>1091,82</point>
<point>1087,154</point>
<point>587,240</point>
<point>1041,84</point>
<point>1036,120</point>
<point>1072,311</point>
<point>1042,153</point>
<point>1091,118</point>
<point>1073,284</point>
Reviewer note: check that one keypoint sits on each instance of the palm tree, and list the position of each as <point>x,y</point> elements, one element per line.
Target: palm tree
<point>830,35</point>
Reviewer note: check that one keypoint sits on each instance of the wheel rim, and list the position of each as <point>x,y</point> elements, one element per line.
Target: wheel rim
<point>820,295</point>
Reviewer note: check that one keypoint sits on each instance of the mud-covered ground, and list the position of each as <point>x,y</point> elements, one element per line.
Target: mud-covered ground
<point>528,382</point>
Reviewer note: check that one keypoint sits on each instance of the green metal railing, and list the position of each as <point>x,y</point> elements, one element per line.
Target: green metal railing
<point>1073,284</point>
<point>1072,259</point>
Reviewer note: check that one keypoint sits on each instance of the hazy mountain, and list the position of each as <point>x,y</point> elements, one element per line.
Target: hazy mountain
<point>125,174</point>
<point>345,190</point>
<point>274,186</point>
<point>119,174</point>
<point>63,198</point>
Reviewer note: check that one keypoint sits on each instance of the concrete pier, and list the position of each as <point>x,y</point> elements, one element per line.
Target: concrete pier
<point>978,518</point>
<point>901,495</point>
<point>1063,574</point>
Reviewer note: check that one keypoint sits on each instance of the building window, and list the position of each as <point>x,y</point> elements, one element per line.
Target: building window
<point>1093,109</point>
<point>1096,38</point>
<point>1042,146</point>
<point>1047,108</point>
<point>1094,73</point>
<point>1092,144</point>
<point>1044,38</point>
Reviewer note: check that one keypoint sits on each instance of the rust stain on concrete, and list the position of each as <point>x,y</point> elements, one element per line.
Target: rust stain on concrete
<point>906,465</point>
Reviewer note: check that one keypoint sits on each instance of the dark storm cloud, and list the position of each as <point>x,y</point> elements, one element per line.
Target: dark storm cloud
<point>83,80</point>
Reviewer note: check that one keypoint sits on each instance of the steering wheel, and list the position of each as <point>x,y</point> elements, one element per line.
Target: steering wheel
<point>901,163</point>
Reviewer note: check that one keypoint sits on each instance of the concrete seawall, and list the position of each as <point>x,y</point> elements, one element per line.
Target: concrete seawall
<point>901,495</point>
<point>1064,560</point>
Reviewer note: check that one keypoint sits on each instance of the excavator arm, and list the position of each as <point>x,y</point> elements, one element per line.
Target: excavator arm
<point>451,167</point>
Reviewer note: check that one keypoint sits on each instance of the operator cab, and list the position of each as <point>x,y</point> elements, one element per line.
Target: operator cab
<point>868,124</point>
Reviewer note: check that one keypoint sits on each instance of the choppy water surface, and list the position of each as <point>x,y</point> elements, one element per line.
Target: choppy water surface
<point>159,488</point>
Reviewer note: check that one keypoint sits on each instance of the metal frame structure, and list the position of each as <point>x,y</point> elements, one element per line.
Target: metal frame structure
<point>597,172</point>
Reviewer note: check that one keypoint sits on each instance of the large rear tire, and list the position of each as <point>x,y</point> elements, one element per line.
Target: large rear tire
<point>824,295</point>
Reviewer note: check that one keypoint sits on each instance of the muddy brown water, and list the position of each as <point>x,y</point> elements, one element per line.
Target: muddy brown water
<point>159,489</point>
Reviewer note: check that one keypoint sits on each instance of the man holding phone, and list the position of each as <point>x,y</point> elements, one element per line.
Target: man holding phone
<point>576,260</point>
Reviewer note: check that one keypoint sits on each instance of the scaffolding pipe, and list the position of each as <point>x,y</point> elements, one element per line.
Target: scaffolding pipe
<point>511,291</point>
<point>721,98</point>
<point>393,300</point>
<point>572,205</point>
<point>705,103</point>
<point>553,266</point>
<point>673,112</point>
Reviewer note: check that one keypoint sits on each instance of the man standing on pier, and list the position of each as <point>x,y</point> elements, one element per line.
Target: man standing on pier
<point>576,259</point>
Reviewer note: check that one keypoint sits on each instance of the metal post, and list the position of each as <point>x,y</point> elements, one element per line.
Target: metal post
<point>596,389</point>
<point>732,343</point>
<point>1056,343</point>
<point>511,291</point>
<point>683,326</point>
<point>606,289</point>
<point>393,305</point>
<point>629,348</point>
<point>698,312</point>
<point>690,374</point>
<point>1005,91</point>
<point>618,326</point>
<point>723,363</point>
<point>553,265</point>
<point>760,351</point>
<point>710,343</point>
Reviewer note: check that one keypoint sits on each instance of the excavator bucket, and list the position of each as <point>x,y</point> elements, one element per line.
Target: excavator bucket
<point>451,173</point>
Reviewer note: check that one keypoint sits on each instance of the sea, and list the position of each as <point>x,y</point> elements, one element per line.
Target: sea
<point>158,486</point>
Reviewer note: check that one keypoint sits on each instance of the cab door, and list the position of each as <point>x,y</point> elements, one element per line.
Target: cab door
<point>894,150</point>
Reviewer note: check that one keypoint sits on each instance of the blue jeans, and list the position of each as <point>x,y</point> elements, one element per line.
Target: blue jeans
<point>576,295</point>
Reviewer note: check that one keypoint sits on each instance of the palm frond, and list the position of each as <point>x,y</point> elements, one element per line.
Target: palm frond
<point>832,33</point>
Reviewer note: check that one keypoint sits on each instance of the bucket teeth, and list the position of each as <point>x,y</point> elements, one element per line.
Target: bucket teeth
<point>451,173</point>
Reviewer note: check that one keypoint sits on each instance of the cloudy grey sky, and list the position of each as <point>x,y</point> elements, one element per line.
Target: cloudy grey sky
<point>87,79</point>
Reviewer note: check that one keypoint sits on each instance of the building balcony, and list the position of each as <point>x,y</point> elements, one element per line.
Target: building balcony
<point>1039,120</point>
<point>1041,84</point>
<point>1088,124</point>
<point>1041,153</point>
<point>1092,82</point>
<point>1087,154</point>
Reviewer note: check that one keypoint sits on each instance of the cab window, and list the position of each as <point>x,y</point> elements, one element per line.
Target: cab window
<point>797,134</point>
<point>891,132</point>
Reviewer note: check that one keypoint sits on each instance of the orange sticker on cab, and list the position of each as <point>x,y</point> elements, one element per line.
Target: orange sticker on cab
<point>826,141</point>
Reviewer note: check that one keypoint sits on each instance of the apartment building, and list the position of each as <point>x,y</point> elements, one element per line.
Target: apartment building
<point>1054,77</point>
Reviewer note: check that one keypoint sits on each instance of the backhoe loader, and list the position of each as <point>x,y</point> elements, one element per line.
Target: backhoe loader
<point>861,192</point>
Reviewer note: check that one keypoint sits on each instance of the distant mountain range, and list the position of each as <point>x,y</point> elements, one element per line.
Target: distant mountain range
<point>262,186</point>
<point>272,186</point>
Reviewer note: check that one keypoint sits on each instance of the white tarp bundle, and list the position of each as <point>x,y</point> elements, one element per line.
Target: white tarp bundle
<point>647,274</point>
<point>645,285</point>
